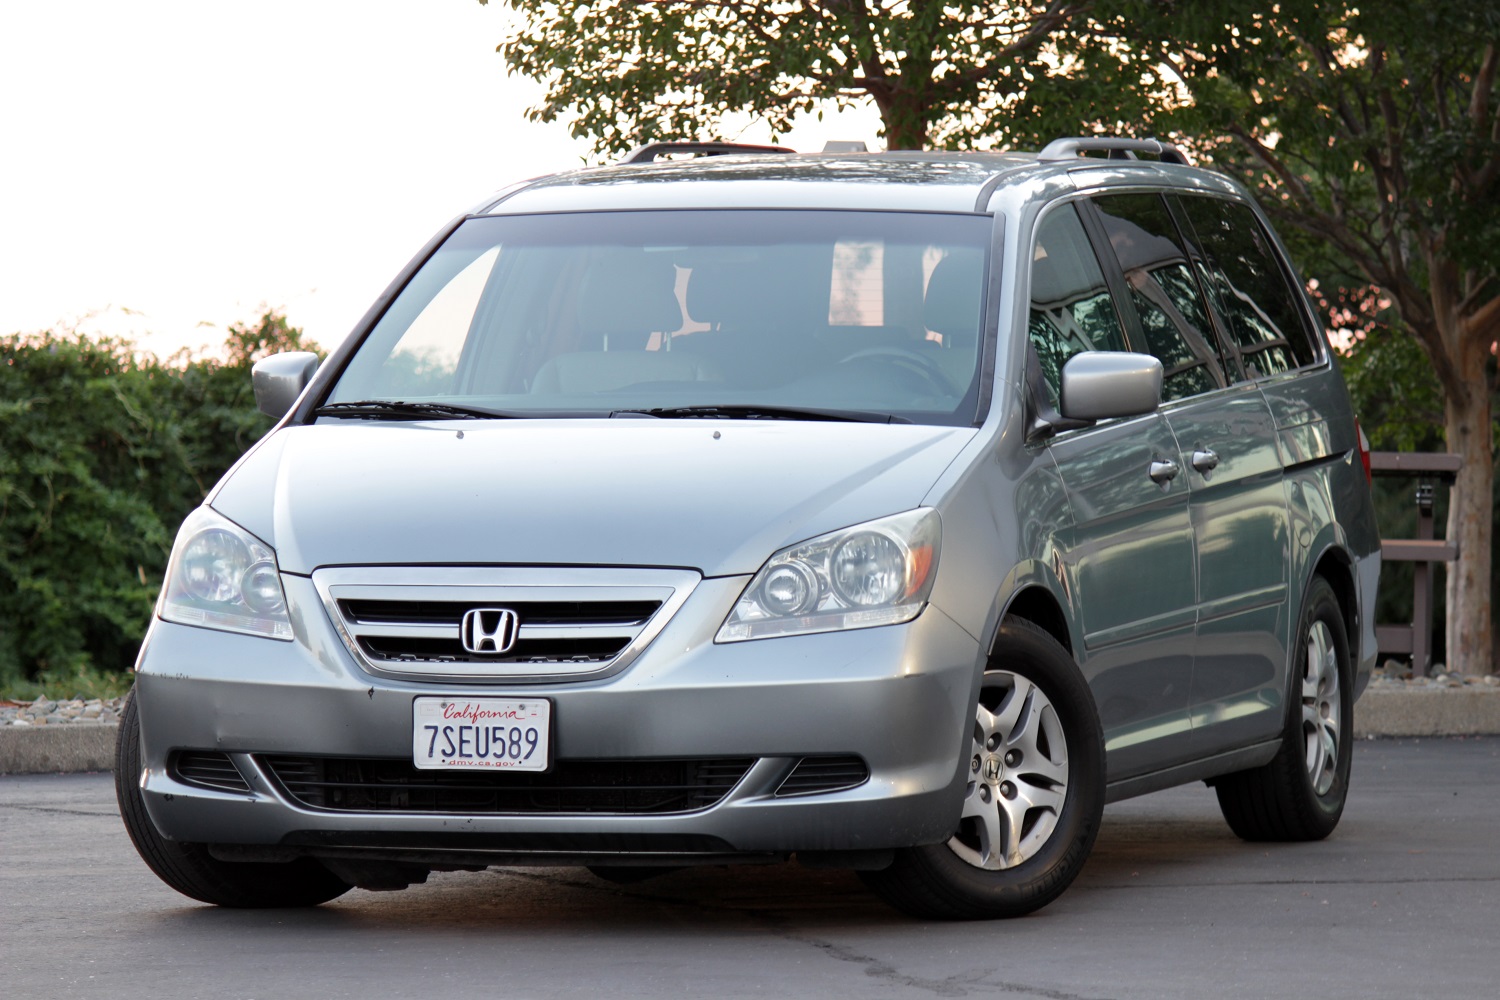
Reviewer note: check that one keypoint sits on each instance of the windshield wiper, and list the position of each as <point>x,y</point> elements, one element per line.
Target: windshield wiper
<point>396,409</point>
<point>756,411</point>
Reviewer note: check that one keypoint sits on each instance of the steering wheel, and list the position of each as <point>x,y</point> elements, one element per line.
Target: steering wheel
<point>909,359</point>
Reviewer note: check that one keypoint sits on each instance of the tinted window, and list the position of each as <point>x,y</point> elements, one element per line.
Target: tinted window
<point>1249,287</point>
<point>1173,314</point>
<point>1071,310</point>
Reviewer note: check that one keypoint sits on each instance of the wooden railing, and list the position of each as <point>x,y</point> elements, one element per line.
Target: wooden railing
<point>1423,551</point>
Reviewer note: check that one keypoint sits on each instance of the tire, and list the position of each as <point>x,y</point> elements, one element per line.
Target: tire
<point>1300,794</point>
<point>189,868</point>
<point>1035,793</point>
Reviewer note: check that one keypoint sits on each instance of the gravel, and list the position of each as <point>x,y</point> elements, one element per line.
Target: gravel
<point>46,712</point>
<point>1396,675</point>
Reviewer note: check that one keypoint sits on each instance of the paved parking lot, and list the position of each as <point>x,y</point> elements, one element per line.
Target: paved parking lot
<point>1400,902</point>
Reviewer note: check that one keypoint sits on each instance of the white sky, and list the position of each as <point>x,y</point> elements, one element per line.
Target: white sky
<point>168,168</point>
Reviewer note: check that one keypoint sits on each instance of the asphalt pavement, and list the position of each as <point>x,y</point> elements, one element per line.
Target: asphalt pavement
<point>1399,902</point>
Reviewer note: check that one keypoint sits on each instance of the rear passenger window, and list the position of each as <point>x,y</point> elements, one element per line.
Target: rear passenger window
<point>1071,310</point>
<point>1250,288</point>
<point>1173,314</point>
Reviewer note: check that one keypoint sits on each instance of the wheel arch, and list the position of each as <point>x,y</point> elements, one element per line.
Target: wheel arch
<point>1037,605</point>
<point>1336,566</point>
<point>1032,591</point>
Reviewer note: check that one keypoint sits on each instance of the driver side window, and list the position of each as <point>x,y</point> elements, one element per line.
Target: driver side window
<point>1071,310</point>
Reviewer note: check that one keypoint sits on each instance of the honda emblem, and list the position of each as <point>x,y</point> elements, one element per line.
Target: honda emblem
<point>489,630</point>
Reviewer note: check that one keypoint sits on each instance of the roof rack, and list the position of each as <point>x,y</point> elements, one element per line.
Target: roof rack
<point>1118,149</point>
<point>651,151</point>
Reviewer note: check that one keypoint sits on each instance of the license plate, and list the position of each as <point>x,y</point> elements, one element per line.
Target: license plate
<point>498,733</point>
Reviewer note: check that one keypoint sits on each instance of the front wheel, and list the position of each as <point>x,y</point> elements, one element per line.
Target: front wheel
<point>1300,794</point>
<point>190,868</point>
<point>1034,796</point>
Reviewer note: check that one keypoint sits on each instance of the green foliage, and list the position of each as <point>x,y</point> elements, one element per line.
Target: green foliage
<point>1371,129</point>
<point>83,681</point>
<point>949,75</point>
<point>102,454</point>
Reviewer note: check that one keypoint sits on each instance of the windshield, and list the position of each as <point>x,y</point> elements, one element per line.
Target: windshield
<point>690,313</point>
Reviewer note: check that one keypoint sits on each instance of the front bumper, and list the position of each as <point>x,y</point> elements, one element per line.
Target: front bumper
<point>900,697</point>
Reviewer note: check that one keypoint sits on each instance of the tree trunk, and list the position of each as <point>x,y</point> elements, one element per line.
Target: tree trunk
<point>1467,419</point>
<point>905,118</point>
<point>905,125</point>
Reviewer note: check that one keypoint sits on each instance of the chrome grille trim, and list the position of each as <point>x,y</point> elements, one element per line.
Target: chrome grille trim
<point>349,591</point>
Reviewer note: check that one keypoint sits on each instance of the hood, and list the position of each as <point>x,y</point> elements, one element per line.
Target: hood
<point>718,496</point>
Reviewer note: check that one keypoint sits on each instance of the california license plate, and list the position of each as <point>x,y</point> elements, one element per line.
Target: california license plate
<point>500,733</point>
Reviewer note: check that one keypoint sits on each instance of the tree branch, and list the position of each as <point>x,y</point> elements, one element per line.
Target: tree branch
<point>1484,83</point>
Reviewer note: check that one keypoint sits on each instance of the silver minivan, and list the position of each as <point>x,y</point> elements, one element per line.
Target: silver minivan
<point>890,511</point>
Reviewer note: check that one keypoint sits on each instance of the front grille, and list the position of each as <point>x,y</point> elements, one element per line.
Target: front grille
<point>549,632</point>
<point>207,769</point>
<point>829,773</point>
<point>404,649</point>
<point>532,612</point>
<point>568,622</point>
<point>375,784</point>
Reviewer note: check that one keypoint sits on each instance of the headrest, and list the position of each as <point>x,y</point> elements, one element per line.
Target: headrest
<point>626,296</point>
<point>723,293</point>
<point>1136,248</point>
<point>954,291</point>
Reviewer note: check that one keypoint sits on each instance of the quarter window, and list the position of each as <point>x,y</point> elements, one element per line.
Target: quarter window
<point>1250,288</point>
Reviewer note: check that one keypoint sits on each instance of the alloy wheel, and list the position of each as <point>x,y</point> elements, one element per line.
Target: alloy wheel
<point>1018,775</point>
<point>1321,703</point>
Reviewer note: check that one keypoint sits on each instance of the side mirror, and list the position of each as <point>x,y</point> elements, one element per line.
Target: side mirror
<point>1097,385</point>
<point>280,379</point>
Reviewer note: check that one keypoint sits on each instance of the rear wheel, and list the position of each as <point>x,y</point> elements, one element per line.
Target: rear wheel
<point>1034,798</point>
<point>189,868</point>
<point>1300,794</point>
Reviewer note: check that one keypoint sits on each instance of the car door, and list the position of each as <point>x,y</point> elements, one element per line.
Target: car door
<point>1127,554</point>
<point>1227,450</point>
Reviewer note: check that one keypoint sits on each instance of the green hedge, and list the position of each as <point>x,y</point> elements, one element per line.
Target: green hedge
<point>102,453</point>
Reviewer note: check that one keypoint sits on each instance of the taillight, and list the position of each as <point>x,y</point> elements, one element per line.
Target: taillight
<point>1364,452</point>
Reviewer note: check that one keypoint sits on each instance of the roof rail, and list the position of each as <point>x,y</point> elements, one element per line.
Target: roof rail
<point>649,152</point>
<point>1118,149</point>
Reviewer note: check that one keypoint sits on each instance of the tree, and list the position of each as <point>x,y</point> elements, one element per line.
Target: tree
<point>1371,128</point>
<point>939,72</point>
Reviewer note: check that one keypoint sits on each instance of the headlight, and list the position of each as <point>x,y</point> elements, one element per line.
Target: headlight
<point>876,573</point>
<point>222,577</point>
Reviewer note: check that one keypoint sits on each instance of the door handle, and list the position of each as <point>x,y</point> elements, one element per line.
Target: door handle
<point>1163,471</point>
<point>1205,460</point>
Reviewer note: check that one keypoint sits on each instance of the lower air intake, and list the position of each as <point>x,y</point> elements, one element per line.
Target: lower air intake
<point>829,773</point>
<point>366,784</point>
<point>208,769</point>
